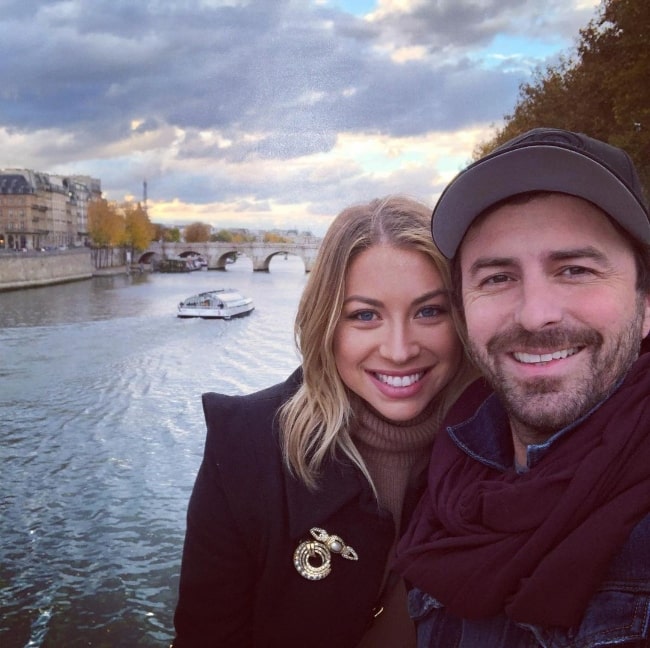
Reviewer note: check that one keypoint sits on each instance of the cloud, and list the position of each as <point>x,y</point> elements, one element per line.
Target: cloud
<point>250,106</point>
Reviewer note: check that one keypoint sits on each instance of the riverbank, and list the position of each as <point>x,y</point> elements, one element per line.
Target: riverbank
<point>32,268</point>
<point>110,272</point>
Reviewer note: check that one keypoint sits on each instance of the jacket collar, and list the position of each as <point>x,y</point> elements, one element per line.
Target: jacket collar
<point>340,482</point>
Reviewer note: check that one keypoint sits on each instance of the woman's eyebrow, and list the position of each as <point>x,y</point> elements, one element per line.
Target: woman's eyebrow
<point>432,294</point>
<point>366,300</point>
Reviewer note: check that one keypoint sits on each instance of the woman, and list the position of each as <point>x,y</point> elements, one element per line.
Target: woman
<point>304,486</point>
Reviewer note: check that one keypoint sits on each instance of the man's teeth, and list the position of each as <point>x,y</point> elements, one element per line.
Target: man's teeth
<point>532,358</point>
<point>400,381</point>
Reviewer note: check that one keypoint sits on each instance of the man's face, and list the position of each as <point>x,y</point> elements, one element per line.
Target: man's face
<point>553,315</point>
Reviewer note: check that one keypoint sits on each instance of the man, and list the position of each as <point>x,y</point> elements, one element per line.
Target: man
<point>535,528</point>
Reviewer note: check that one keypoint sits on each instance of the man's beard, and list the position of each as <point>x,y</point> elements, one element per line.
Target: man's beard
<point>545,405</point>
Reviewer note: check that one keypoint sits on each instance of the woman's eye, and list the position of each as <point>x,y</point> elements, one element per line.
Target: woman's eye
<point>431,311</point>
<point>363,316</point>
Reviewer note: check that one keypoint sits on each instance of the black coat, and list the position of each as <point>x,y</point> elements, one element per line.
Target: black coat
<point>247,515</point>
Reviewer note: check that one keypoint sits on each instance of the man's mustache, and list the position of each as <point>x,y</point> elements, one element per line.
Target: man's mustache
<point>517,338</point>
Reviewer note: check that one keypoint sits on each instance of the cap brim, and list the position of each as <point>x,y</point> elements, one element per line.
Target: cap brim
<point>533,168</point>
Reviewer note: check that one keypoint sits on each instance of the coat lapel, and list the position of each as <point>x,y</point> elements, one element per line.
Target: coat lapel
<point>340,483</point>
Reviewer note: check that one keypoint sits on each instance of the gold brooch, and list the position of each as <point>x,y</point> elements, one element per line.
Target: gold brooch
<point>313,558</point>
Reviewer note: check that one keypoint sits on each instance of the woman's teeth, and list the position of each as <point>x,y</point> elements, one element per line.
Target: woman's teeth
<point>400,381</point>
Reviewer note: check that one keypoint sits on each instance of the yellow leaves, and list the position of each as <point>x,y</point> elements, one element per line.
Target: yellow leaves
<point>197,233</point>
<point>113,225</point>
<point>105,224</point>
<point>272,237</point>
<point>138,228</point>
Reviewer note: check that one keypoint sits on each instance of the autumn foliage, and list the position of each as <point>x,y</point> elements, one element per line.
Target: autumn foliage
<point>602,90</point>
<point>112,225</point>
<point>197,233</point>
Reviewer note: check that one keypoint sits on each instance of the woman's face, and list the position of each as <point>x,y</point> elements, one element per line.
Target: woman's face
<point>395,344</point>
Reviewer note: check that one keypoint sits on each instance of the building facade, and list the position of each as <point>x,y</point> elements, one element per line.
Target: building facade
<point>41,210</point>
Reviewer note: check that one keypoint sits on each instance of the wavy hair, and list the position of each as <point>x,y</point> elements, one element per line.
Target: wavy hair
<point>315,422</point>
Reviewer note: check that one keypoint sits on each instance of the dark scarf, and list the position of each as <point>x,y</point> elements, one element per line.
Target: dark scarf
<point>535,545</point>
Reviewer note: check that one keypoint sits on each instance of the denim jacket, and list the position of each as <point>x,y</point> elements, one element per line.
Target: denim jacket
<point>617,615</point>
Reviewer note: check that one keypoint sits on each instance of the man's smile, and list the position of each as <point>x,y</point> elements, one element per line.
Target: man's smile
<point>537,358</point>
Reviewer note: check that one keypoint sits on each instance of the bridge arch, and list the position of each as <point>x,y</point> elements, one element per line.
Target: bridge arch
<point>263,263</point>
<point>218,253</point>
<point>147,257</point>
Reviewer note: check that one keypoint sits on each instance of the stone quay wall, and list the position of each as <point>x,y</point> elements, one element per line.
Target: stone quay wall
<point>31,268</point>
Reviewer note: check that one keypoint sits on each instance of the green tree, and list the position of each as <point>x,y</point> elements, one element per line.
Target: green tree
<point>174,235</point>
<point>166,234</point>
<point>223,236</point>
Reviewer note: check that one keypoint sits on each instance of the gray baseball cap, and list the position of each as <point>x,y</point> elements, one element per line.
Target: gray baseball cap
<point>543,159</point>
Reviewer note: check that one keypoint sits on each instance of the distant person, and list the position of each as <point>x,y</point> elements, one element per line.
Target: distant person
<point>305,486</point>
<point>535,528</point>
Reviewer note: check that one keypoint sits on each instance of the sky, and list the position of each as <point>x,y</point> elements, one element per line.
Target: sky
<point>267,114</point>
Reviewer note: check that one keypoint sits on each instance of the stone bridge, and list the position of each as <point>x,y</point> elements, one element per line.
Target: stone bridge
<point>217,253</point>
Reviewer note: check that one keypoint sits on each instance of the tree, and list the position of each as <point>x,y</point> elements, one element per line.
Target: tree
<point>106,230</point>
<point>603,90</point>
<point>105,224</point>
<point>166,234</point>
<point>616,46</point>
<point>197,233</point>
<point>173,235</point>
<point>138,228</point>
<point>230,236</point>
<point>111,225</point>
<point>273,237</point>
<point>223,236</point>
<point>158,232</point>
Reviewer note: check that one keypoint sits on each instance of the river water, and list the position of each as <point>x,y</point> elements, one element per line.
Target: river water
<point>101,437</point>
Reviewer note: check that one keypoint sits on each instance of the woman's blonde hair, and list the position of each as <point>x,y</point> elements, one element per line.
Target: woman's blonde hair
<point>315,421</point>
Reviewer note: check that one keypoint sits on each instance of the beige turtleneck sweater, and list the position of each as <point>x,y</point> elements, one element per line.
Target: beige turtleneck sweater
<point>395,455</point>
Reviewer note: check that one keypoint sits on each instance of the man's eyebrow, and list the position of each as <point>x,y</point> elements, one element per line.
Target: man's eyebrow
<point>588,252</point>
<point>491,262</point>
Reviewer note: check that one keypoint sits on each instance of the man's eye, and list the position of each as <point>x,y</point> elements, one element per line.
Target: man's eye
<point>495,279</point>
<point>574,271</point>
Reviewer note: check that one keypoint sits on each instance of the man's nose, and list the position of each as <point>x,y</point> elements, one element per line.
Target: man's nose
<point>539,304</point>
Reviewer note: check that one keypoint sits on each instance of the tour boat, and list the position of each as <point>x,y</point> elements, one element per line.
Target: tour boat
<point>223,303</point>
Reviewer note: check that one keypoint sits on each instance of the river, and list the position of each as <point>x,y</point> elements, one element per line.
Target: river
<point>102,436</point>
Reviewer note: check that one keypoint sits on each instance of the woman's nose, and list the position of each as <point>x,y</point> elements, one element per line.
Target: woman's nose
<point>399,345</point>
